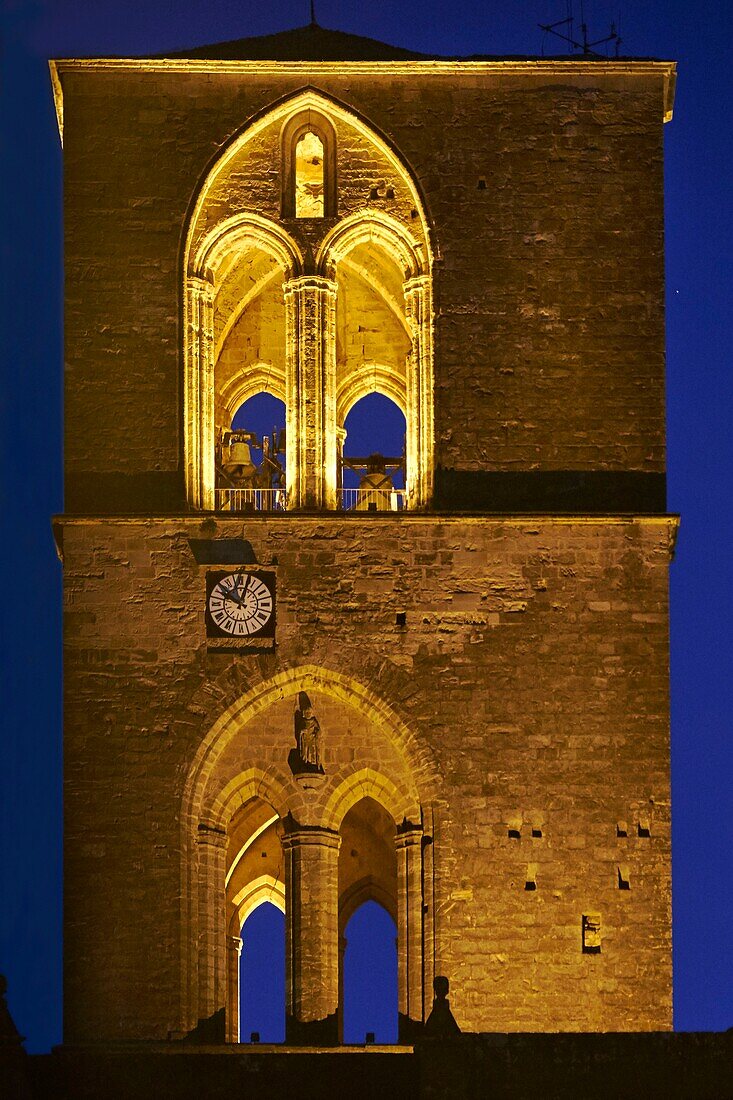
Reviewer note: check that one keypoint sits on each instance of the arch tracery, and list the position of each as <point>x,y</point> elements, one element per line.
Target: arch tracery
<point>227,784</point>
<point>257,378</point>
<point>304,289</point>
<point>373,226</point>
<point>374,378</point>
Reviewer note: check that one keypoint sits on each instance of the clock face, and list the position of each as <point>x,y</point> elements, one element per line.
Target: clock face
<point>240,604</point>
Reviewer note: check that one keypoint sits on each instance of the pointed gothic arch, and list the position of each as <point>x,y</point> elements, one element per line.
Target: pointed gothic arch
<point>243,234</point>
<point>306,825</point>
<point>308,304</point>
<point>298,103</point>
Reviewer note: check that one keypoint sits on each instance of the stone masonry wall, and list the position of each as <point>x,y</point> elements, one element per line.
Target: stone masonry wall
<point>545,197</point>
<point>531,670</point>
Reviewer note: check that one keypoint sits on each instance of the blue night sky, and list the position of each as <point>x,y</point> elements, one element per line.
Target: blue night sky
<point>700,384</point>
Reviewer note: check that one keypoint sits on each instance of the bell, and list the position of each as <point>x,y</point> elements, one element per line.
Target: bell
<point>239,454</point>
<point>237,463</point>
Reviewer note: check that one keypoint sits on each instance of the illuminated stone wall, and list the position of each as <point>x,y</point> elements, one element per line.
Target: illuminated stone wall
<point>544,193</point>
<point>529,683</point>
<point>492,692</point>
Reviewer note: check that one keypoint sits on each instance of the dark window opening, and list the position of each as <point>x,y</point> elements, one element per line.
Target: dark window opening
<point>373,460</point>
<point>251,460</point>
<point>370,976</point>
<point>262,976</point>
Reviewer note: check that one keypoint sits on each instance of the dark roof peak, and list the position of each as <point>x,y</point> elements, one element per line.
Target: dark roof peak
<point>308,43</point>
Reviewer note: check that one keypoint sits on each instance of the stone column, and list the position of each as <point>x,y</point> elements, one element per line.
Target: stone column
<point>340,443</point>
<point>419,315</point>
<point>212,969</point>
<point>428,944</point>
<point>198,394</point>
<point>234,950</point>
<point>342,955</point>
<point>408,844</point>
<point>311,935</point>
<point>310,384</point>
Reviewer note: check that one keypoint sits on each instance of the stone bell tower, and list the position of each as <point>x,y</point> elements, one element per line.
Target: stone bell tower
<point>449,696</point>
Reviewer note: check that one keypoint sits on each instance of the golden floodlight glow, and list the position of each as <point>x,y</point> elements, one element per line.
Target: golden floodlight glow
<point>256,893</point>
<point>309,185</point>
<point>581,72</point>
<point>390,255</point>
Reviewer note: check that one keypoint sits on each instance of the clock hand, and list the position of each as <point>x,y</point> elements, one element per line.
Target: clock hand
<point>232,594</point>
<point>240,592</point>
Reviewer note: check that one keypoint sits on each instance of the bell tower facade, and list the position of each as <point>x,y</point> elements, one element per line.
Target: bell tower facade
<point>446,690</point>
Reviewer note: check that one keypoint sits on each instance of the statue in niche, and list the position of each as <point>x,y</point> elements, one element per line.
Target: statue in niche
<point>306,756</point>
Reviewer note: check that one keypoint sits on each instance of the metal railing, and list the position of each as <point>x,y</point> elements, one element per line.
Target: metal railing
<point>275,500</point>
<point>250,500</point>
<point>373,500</point>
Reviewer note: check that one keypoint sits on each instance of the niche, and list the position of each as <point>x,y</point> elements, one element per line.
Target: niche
<point>591,933</point>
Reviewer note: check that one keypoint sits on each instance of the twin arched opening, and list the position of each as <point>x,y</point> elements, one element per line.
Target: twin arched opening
<point>317,309</point>
<point>255,832</point>
<point>367,927</point>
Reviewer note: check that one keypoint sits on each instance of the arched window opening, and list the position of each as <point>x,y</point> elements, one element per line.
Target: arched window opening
<point>309,166</point>
<point>309,176</point>
<point>373,458</point>
<point>305,319</point>
<point>254,880</point>
<point>370,976</point>
<point>251,460</point>
<point>262,976</point>
<point>367,878</point>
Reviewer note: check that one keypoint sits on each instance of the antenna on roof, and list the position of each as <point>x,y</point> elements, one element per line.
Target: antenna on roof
<point>314,21</point>
<point>583,44</point>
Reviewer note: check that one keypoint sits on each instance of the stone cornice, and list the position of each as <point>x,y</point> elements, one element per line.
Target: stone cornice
<point>539,68</point>
<point>195,519</point>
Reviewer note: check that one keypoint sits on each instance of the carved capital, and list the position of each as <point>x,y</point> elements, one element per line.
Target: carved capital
<point>212,835</point>
<point>310,836</point>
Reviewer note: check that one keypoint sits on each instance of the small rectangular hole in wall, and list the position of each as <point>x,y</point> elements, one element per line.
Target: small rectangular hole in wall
<point>482,183</point>
<point>644,827</point>
<point>591,933</point>
<point>401,618</point>
<point>513,834</point>
<point>624,878</point>
<point>621,828</point>
<point>536,831</point>
<point>530,882</point>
